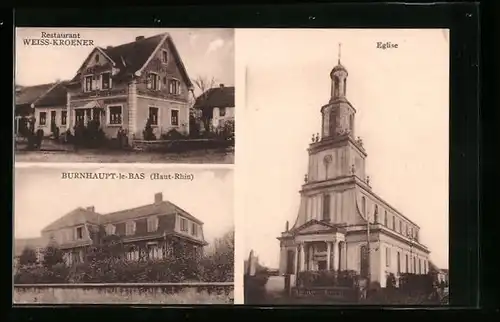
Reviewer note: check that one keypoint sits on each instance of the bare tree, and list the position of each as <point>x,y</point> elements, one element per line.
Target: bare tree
<point>204,84</point>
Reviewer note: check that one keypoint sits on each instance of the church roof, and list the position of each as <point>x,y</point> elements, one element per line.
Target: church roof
<point>338,68</point>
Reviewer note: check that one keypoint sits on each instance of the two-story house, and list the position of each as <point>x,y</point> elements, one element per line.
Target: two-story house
<point>154,231</point>
<point>121,87</point>
<point>50,111</point>
<point>216,105</point>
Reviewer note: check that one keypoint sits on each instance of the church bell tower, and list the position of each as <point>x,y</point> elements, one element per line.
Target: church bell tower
<point>336,152</point>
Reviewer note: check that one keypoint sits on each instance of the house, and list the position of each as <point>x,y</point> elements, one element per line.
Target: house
<point>216,105</point>
<point>26,96</point>
<point>50,111</point>
<point>342,223</point>
<point>154,231</point>
<point>121,87</point>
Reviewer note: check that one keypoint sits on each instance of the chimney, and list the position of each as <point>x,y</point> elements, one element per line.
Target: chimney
<point>91,208</point>
<point>221,85</point>
<point>158,197</point>
<point>109,47</point>
<point>139,38</point>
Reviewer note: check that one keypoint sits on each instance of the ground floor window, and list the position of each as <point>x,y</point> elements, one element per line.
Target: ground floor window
<point>115,114</point>
<point>153,115</point>
<point>174,117</point>
<point>64,117</point>
<point>43,118</point>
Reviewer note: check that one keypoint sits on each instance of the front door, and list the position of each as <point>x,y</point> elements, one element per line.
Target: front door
<point>321,265</point>
<point>52,118</point>
<point>290,260</point>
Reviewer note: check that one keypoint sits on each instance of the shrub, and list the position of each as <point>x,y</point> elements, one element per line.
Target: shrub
<point>148,131</point>
<point>52,255</point>
<point>173,134</point>
<point>28,257</point>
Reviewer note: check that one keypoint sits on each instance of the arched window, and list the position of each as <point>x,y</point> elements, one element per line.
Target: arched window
<point>407,264</point>
<point>345,86</point>
<point>333,121</point>
<point>336,82</point>
<point>414,265</point>
<point>399,262</point>
<point>326,207</point>
<point>327,160</point>
<point>351,123</point>
<point>375,215</point>
<point>385,218</point>
<point>363,205</point>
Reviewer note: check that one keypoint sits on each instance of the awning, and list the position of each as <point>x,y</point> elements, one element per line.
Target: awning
<point>91,104</point>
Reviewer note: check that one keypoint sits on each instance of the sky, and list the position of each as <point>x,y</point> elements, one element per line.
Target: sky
<point>41,196</point>
<point>402,101</point>
<point>206,53</point>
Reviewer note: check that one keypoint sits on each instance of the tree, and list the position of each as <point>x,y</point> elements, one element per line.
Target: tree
<point>52,255</point>
<point>204,84</point>
<point>28,257</point>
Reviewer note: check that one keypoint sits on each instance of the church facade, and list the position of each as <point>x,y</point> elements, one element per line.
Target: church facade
<point>342,224</point>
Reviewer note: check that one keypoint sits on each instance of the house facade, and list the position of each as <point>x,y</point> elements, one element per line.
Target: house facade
<point>155,231</point>
<point>342,223</point>
<point>121,87</point>
<point>217,104</point>
<point>25,99</point>
<point>50,111</point>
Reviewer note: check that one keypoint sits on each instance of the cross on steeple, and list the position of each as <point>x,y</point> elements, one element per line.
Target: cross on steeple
<point>340,48</point>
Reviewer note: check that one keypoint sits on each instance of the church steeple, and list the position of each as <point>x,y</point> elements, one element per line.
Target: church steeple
<point>338,76</point>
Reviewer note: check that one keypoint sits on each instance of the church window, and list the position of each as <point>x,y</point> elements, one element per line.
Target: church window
<point>327,160</point>
<point>326,207</point>
<point>414,265</point>
<point>345,86</point>
<point>385,218</point>
<point>363,205</point>
<point>394,223</point>
<point>407,264</point>
<point>351,122</point>
<point>399,262</point>
<point>387,256</point>
<point>375,215</point>
<point>336,86</point>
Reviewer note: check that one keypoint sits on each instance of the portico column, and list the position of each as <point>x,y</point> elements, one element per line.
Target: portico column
<point>336,255</point>
<point>296,265</point>
<point>302,257</point>
<point>328,255</point>
<point>344,255</point>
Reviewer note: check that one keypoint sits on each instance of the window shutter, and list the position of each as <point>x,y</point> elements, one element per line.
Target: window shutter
<point>158,81</point>
<point>148,81</point>
<point>179,91</point>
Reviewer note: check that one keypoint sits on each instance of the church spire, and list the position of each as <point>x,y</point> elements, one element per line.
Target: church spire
<point>340,50</point>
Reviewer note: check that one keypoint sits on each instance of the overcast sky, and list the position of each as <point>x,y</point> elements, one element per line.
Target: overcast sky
<point>41,196</point>
<point>205,52</point>
<point>401,97</point>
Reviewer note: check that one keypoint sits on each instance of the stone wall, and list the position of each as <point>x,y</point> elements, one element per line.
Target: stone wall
<point>130,293</point>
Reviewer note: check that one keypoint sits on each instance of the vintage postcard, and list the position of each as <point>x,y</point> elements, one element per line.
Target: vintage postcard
<point>349,138</point>
<point>124,95</point>
<point>123,235</point>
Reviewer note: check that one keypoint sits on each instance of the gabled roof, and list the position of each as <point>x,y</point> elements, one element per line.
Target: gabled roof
<point>21,243</point>
<point>216,97</point>
<point>56,96</point>
<point>26,95</point>
<point>76,217</point>
<point>161,208</point>
<point>132,57</point>
<point>321,226</point>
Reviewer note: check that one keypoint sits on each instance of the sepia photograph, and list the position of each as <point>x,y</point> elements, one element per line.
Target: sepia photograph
<point>354,125</point>
<point>124,95</point>
<point>121,235</point>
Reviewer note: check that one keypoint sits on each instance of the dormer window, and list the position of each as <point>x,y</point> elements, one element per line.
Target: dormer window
<point>153,82</point>
<point>130,228</point>
<point>184,224</point>
<point>88,83</point>
<point>152,224</point>
<point>110,230</point>
<point>106,80</point>
<point>174,87</point>
<point>79,233</point>
<point>164,56</point>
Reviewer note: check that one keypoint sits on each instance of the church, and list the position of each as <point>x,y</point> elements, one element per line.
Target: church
<point>342,224</point>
